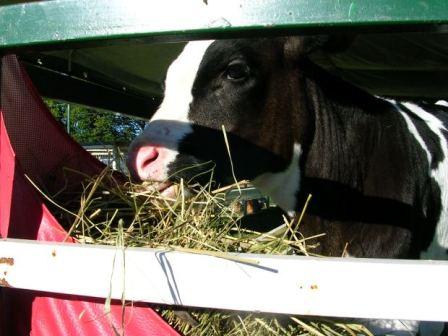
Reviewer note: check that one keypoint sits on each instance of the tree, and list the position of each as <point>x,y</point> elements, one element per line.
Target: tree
<point>89,126</point>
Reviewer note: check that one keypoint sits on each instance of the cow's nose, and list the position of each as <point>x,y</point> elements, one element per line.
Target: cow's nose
<point>143,163</point>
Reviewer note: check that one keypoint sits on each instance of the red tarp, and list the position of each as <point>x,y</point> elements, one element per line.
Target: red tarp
<point>33,143</point>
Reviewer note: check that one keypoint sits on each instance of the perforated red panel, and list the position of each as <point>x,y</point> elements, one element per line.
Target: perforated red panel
<point>33,143</point>
<point>40,144</point>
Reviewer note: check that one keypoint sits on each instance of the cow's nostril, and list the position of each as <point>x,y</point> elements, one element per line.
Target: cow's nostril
<point>146,155</point>
<point>144,161</point>
<point>151,158</point>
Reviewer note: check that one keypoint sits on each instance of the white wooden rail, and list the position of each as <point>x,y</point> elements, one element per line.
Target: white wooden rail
<point>363,288</point>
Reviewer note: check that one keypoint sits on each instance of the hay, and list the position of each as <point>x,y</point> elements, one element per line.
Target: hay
<point>205,222</point>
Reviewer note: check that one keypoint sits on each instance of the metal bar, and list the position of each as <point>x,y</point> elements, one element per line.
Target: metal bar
<point>362,288</point>
<point>63,21</point>
<point>60,86</point>
<point>68,118</point>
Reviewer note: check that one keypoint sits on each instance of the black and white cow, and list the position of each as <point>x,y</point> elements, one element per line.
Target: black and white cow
<point>377,168</point>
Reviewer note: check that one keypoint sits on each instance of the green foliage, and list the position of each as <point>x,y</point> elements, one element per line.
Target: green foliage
<point>89,126</point>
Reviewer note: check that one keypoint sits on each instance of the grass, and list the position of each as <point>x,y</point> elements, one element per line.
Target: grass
<point>202,221</point>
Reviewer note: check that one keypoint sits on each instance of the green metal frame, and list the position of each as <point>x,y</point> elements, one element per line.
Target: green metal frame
<point>62,22</point>
<point>67,24</point>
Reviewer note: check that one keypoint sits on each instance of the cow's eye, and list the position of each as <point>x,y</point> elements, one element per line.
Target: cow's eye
<point>237,71</point>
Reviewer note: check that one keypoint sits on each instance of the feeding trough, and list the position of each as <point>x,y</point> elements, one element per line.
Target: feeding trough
<point>34,145</point>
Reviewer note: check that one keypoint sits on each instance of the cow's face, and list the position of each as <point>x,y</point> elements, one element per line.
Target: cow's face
<point>250,89</point>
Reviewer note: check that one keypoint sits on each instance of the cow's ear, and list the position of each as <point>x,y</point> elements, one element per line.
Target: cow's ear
<point>296,47</point>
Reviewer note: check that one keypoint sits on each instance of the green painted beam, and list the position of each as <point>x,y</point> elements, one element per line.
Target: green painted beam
<point>59,22</point>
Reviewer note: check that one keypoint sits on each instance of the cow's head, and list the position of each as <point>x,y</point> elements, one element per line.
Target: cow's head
<point>252,88</point>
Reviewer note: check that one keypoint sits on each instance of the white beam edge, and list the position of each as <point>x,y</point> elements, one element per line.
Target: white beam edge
<point>339,287</point>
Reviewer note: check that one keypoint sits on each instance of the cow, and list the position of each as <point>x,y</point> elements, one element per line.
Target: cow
<point>377,168</point>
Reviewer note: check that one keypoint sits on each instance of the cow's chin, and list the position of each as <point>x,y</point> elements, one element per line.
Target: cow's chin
<point>170,191</point>
<point>166,189</point>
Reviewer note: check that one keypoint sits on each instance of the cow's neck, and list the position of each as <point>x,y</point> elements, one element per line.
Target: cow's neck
<point>358,155</point>
<point>344,133</point>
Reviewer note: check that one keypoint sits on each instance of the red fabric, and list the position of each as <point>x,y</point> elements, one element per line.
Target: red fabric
<point>33,143</point>
<point>7,164</point>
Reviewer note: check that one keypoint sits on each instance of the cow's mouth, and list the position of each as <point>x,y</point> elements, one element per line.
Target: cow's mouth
<point>167,189</point>
<point>174,190</point>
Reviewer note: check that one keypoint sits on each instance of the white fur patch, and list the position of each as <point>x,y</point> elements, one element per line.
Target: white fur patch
<point>170,123</point>
<point>437,249</point>
<point>438,245</point>
<point>413,130</point>
<point>179,82</point>
<point>442,103</point>
<point>283,186</point>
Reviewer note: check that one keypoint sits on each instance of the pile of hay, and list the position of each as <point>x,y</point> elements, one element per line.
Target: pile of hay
<point>108,212</point>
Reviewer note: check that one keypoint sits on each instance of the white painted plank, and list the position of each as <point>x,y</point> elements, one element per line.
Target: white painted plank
<point>362,288</point>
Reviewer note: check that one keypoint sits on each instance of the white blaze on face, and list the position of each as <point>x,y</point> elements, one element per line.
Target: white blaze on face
<point>179,82</point>
<point>170,123</point>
